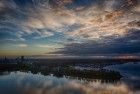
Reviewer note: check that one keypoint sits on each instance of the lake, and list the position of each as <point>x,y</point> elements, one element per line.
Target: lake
<point>28,82</point>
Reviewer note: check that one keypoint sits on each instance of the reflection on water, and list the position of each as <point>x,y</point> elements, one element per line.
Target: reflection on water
<point>80,78</point>
<point>129,71</point>
<point>28,83</point>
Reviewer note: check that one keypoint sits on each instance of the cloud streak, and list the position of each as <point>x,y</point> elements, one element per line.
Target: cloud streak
<point>22,45</point>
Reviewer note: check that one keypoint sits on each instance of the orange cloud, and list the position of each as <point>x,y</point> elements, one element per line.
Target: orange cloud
<point>63,2</point>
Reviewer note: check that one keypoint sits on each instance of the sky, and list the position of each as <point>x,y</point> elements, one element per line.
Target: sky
<point>69,27</point>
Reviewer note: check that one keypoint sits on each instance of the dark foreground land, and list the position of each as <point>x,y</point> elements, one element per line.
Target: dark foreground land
<point>79,68</point>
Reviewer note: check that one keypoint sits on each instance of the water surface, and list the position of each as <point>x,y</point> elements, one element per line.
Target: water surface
<point>17,82</point>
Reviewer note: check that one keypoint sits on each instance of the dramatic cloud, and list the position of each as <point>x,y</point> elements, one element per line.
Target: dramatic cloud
<point>128,44</point>
<point>58,21</point>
